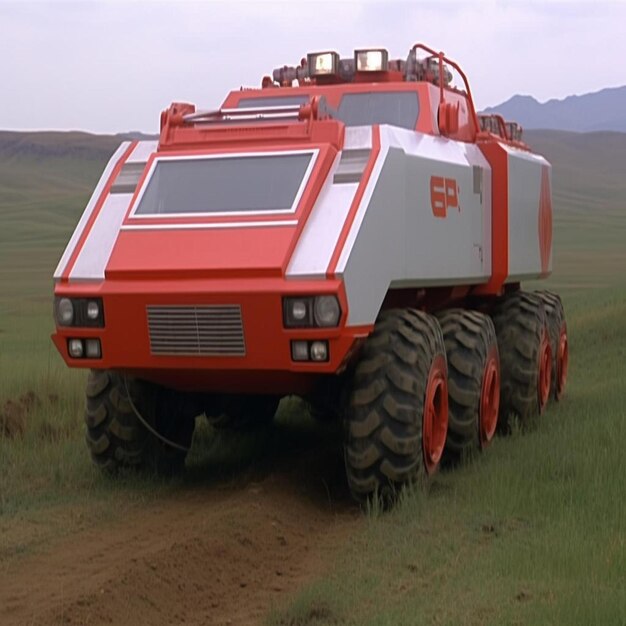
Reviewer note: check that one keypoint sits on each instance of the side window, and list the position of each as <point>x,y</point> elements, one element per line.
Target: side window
<point>396,108</point>
<point>283,101</point>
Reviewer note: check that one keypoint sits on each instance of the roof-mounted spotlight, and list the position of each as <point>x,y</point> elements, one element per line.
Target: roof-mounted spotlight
<point>376,60</point>
<point>323,64</point>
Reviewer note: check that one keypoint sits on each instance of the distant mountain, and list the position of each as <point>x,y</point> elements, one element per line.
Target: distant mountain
<point>602,110</point>
<point>71,144</point>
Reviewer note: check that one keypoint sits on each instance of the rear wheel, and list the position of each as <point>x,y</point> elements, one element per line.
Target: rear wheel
<point>557,328</point>
<point>243,412</point>
<point>473,380</point>
<point>525,357</point>
<point>397,412</point>
<point>116,436</point>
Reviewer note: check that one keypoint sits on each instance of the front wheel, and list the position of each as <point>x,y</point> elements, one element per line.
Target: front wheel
<point>116,436</point>
<point>397,410</point>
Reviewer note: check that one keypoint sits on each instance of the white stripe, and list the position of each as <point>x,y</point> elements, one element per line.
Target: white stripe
<point>95,196</point>
<point>188,226</point>
<point>142,151</point>
<point>357,138</point>
<point>94,256</point>
<point>322,229</point>
<point>365,200</point>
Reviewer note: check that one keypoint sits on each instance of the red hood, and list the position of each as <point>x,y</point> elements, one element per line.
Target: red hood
<point>215,246</point>
<point>203,252</point>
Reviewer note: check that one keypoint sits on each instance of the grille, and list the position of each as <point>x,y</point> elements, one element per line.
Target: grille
<point>215,330</point>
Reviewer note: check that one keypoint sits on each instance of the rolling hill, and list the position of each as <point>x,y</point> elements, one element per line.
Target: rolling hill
<point>602,110</point>
<point>588,168</point>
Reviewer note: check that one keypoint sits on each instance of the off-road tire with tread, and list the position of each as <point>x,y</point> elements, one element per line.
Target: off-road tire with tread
<point>385,404</point>
<point>115,436</point>
<point>520,321</point>
<point>555,317</point>
<point>470,339</point>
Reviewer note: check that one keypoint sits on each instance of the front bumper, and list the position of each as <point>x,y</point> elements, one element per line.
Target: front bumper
<point>263,365</point>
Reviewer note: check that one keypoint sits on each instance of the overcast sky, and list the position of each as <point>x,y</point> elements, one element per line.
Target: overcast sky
<point>112,65</point>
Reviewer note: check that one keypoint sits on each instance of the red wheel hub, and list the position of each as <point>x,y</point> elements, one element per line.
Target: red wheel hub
<point>489,399</point>
<point>435,421</point>
<point>545,371</point>
<point>562,360</point>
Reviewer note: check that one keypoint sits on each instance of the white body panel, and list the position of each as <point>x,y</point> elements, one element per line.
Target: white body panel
<point>525,171</point>
<point>321,232</point>
<point>396,240</point>
<point>89,209</point>
<point>96,251</point>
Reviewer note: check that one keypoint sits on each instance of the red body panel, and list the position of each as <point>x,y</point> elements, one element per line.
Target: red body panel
<point>496,155</point>
<point>203,253</point>
<point>126,345</point>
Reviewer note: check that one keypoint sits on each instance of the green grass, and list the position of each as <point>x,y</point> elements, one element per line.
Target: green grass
<point>532,532</point>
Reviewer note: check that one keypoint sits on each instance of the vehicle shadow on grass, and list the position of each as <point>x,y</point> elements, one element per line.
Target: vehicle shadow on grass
<point>295,451</point>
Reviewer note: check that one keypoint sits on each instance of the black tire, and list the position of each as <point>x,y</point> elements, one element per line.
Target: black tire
<point>386,399</point>
<point>521,329</point>
<point>115,436</point>
<point>473,380</point>
<point>557,329</point>
<point>243,412</point>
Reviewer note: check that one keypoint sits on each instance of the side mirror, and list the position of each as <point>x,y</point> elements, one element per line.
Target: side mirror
<point>448,118</point>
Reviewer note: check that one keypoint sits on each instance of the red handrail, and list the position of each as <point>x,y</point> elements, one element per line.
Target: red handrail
<point>441,57</point>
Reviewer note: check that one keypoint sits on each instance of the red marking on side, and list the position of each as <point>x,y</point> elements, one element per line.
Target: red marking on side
<point>96,211</point>
<point>443,195</point>
<point>356,201</point>
<point>545,220</point>
<point>497,157</point>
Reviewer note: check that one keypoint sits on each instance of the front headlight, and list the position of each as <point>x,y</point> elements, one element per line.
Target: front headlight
<point>64,312</point>
<point>311,312</point>
<point>297,312</point>
<point>327,311</point>
<point>93,309</point>
<point>79,312</point>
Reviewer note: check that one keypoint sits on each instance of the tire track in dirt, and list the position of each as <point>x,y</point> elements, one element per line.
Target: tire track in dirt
<point>207,555</point>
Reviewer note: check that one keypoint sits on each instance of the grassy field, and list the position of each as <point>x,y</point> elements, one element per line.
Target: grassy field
<point>532,532</point>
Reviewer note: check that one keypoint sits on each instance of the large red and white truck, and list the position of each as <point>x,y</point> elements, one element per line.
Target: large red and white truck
<point>352,232</point>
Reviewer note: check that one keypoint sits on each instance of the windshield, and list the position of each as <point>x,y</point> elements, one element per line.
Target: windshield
<point>237,184</point>
<point>397,108</point>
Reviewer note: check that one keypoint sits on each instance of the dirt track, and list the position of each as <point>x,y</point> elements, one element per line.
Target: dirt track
<point>208,555</point>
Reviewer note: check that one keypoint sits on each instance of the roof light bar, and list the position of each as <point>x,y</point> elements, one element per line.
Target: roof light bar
<point>376,60</point>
